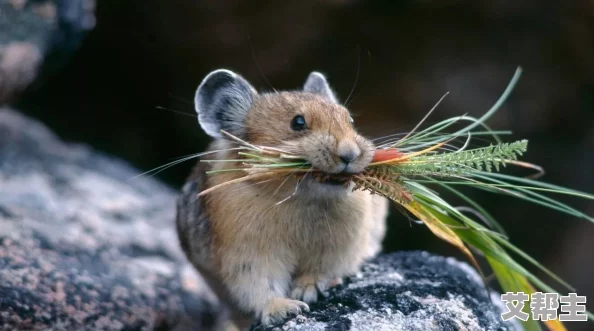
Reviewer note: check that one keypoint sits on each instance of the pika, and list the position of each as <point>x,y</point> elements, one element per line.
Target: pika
<point>268,249</point>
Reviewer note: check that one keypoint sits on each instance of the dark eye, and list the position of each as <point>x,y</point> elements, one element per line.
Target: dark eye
<point>298,123</point>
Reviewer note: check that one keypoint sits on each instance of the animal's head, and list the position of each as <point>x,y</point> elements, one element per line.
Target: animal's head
<point>309,122</point>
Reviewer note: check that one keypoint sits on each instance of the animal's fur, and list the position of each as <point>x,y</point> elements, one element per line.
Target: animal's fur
<point>265,258</point>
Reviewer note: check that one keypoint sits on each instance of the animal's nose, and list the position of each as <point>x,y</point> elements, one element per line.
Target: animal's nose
<point>348,156</point>
<point>348,151</point>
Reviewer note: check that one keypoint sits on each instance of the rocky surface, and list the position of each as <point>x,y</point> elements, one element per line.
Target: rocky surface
<point>38,36</point>
<point>84,245</point>
<point>408,291</point>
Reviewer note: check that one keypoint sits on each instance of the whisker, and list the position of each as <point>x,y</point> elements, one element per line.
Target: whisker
<point>177,111</point>
<point>290,175</point>
<point>296,187</point>
<point>180,99</point>
<point>183,159</point>
<point>389,136</point>
<point>257,65</point>
<point>346,103</point>
<point>290,196</point>
<point>254,184</point>
<point>164,167</point>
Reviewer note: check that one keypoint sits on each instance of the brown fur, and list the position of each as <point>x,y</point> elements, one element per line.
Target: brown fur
<point>257,252</point>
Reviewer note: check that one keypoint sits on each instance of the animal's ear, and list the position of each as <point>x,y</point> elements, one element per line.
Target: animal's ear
<point>222,102</point>
<point>316,83</point>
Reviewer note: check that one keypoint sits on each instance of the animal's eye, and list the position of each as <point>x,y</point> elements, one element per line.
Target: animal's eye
<point>298,123</point>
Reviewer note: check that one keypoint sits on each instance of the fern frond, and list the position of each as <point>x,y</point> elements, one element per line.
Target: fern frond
<point>463,162</point>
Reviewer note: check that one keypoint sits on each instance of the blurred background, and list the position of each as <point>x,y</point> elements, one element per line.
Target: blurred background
<point>127,90</point>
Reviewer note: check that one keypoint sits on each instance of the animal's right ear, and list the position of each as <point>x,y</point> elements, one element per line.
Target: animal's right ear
<point>316,83</point>
<point>222,102</point>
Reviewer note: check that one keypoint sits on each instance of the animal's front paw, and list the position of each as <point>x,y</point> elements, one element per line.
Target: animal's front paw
<point>277,310</point>
<point>306,288</point>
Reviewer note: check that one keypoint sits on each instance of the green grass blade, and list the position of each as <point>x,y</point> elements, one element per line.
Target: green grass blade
<point>539,199</point>
<point>476,122</point>
<point>481,241</point>
<point>532,188</point>
<point>494,224</point>
<point>497,104</point>
<point>531,260</point>
<point>536,183</point>
<point>513,282</point>
<point>413,141</point>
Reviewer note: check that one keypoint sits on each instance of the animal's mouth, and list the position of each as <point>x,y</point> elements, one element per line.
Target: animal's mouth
<point>341,179</point>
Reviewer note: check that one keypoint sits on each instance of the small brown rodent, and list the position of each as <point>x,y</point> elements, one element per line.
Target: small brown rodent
<point>268,249</point>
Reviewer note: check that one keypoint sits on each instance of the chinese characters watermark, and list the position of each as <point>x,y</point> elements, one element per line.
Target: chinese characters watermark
<point>543,306</point>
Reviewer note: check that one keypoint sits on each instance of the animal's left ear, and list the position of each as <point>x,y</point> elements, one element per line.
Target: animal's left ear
<point>316,83</point>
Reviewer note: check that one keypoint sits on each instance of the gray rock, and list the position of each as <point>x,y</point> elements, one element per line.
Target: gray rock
<point>84,245</point>
<point>406,291</point>
<point>39,35</point>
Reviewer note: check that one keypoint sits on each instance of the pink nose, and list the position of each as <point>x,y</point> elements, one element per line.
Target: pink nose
<point>348,151</point>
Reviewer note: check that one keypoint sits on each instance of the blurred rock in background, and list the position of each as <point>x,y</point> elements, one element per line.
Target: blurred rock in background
<point>398,58</point>
<point>39,36</point>
<point>83,247</point>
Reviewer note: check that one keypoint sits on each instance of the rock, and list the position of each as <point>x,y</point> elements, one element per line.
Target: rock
<point>38,36</point>
<point>409,291</point>
<point>84,245</point>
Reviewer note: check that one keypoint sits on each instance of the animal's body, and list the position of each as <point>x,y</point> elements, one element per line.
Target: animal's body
<point>268,249</point>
